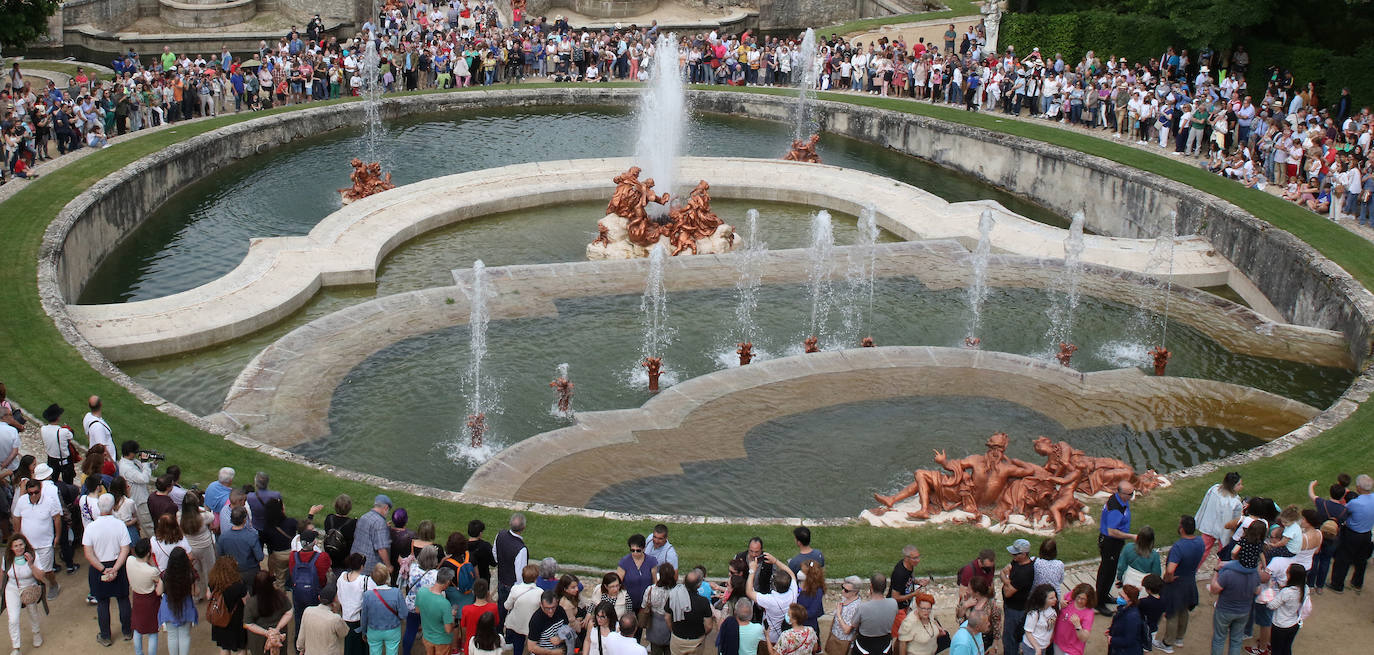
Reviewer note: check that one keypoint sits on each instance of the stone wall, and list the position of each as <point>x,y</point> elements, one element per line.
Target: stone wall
<point>1118,200</point>
<point>801,14</point>
<point>197,15</point>
<point>104,14</point>
<point>332,11</point>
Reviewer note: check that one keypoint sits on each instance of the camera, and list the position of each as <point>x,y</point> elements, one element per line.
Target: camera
<point>151,455</point>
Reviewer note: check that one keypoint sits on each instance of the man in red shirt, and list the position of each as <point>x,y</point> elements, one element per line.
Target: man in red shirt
<point>982,567</point>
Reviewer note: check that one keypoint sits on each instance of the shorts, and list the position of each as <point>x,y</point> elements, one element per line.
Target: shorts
<point>1264,617</point>
<point>43,556</point>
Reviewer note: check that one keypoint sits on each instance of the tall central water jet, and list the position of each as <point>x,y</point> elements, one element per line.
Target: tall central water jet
<point>804,70</point>
<point>818,274</point>
<point>978,287</point>
<point>369,69</point>
<point>749,263</point>
<point>1066,285</point>
<point>662,118</point>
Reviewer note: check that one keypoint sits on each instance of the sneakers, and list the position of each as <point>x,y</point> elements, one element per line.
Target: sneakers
<point>1253,650</point>
<point>90,600</point>
<point>72,568</point>
<point>54,591</point>
<point>103,641</point>
<point>1161,646</point>
<point>37,640</point>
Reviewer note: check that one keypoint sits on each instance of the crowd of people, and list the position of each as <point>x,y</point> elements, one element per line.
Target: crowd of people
<point>353,580</point>
<point>1195,105</point>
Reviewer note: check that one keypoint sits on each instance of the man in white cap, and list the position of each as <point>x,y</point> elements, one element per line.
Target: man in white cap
<point>39,518</point>
<point>106,545</point>
<point>1017,578</point>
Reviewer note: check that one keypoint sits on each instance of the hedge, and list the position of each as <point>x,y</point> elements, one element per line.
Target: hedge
<point>1139,38</point>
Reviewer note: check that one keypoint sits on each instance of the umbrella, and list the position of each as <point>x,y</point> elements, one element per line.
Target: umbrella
<point>251,63</point>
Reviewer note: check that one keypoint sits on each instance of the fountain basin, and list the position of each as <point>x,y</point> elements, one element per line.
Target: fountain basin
<point>280,274</point>
<point>707,418</point>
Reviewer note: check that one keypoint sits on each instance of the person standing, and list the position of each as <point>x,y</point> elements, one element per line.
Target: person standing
<point>241,542</point>
<point>1331,509</point>
<point>20,574</point>
<point>57,441</point>
<point>1288,607</point>
<point>97,429</point>
<point>903,584</point>
<point>1353,547</point>
<point>1113,531</point>
<point>1180,583</point>
<point>1235,587</point>
<point>546,627</point>
<point>1017,577</point>
<point>660,548</point>
<point>106,544</point>
<point>38,517</point>
<point>1219,513</point>
<point>322,630</point>
<point>690,615</point>
<point>371,536</point>
<point>968,639</point>
<point>135,469</point>
<point>436,614</point>
<point>511,557</point>
<point>802,534</point>
<point>217,492</point>
<point>874,619</point>
<point>479,550</point>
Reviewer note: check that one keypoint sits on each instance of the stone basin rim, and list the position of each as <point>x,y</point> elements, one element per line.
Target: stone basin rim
<point>279,275</point>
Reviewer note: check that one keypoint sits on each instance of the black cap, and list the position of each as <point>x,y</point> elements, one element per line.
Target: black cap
<point>52,413</point>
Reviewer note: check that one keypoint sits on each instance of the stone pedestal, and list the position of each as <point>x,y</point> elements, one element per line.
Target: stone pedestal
<point>199,13</point>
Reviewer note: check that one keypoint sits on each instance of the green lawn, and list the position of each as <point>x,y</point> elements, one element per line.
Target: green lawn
<point>956,9</point>
<point>39,368</point>
<point>55,66</point>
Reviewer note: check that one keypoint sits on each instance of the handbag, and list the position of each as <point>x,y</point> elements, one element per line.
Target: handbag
<point>30,595</point>
<point>1133,576</point>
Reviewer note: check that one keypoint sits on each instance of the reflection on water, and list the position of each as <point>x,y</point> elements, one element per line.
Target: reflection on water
<point>805,464</point>
<point>203,232</point>
<point>416,380</point>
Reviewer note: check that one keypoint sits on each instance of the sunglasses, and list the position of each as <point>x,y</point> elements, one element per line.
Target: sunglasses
<point>636,550</point>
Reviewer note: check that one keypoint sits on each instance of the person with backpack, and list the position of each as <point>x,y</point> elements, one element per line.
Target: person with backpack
<point>307,573</point>
<point>465,574</point>
<point>224,612</point>
<point>338,532</point>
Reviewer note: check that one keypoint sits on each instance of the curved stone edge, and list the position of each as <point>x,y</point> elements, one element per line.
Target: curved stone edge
<point>279,275</point>
<point>277,398</point>
<point>510,473</point>
<point>1353,319</point>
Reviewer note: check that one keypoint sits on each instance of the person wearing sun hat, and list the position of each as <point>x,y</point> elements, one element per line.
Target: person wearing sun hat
<point>57,441</point>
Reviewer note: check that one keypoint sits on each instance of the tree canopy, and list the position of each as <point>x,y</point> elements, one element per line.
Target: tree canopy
<point>25,20</point>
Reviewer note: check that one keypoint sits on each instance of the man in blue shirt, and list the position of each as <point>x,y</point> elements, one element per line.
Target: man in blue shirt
<point>1354,546</point>
<point>1180,583</point>
<point>242,543</point>
<point>1235,587</point>
<point>968,640</point>
<point>1113,531</point>
<point>660,548</point>
<point>372,536</point>
<point>217,492</point>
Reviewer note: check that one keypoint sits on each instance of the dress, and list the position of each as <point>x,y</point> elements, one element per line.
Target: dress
<point>797,641</point>
<point>233,637</point>
<point>257,643</point>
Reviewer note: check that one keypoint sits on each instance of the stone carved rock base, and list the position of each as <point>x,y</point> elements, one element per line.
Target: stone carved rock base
<point>613,241</point>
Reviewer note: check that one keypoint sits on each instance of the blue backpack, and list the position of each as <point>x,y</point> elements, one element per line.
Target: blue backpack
<point>305,581</point>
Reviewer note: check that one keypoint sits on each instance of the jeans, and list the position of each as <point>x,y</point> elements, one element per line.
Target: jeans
<point>1321,567</point>
<point>1228,629</point>
<point>152,643</point>
<point>1013,624</point>
<point>412,630</point>
<point>384,642</point>
<point>1195,141</point>
<point>178,639</point>
<point>516,641</point>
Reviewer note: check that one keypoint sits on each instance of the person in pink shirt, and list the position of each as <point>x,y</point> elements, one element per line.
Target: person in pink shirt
<point>1076,620</point>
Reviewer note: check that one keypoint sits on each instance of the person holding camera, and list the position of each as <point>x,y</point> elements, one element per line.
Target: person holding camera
<point>135,468</point>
